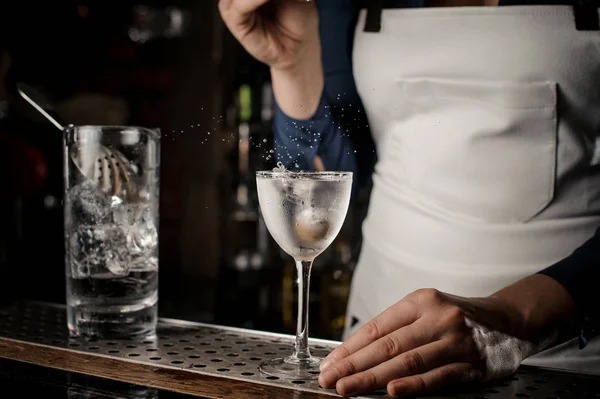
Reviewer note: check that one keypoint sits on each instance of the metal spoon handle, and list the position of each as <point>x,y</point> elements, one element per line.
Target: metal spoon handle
<point>38,102</point>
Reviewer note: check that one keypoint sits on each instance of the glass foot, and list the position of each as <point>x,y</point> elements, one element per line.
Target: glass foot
<point>293,368</point>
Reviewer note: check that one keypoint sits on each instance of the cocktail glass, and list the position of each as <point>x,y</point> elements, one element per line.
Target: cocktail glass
<point>304,212</point>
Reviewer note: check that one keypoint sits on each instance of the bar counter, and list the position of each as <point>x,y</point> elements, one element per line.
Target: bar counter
<point>189,360</point>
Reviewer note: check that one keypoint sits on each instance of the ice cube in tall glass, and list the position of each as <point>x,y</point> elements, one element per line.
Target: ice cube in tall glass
<point>111,230</point>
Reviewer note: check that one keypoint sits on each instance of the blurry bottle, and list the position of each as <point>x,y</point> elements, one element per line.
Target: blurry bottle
<point>239,277</point>
<point>336,278</point>
<point>262,137</point>
<point>245,206</point>
<point>247,275</point>
<point>150,23</point>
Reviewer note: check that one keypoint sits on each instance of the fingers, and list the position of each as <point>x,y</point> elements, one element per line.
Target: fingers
<point>238,15</point>
<point>433,380</point>
<point>380,351</point>
<point>318,164</point>
<point>394,318</point>
<point>416,361</point>
<point>225,5</point>
<point>240,7</point>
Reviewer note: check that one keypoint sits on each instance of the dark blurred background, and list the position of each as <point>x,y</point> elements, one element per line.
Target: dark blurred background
<point>174,66</point>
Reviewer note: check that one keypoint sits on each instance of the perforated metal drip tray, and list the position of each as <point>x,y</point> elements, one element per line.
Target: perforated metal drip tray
<point>235,354</point>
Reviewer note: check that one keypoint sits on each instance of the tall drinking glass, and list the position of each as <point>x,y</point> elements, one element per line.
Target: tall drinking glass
<point>111,230</point>
<point>304,212</point>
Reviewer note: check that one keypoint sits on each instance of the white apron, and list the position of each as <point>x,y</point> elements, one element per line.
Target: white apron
<point>486,121</point>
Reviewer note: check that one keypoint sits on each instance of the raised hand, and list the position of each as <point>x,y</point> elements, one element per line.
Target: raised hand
<point>278,33</point>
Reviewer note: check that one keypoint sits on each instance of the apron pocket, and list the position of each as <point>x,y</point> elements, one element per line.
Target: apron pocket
<point>483,151</point>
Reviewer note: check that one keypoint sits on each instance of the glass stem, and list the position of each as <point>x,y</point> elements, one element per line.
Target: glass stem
<point>301,346</point>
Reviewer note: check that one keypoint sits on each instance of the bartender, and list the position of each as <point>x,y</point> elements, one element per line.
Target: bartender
<point>480,248</point>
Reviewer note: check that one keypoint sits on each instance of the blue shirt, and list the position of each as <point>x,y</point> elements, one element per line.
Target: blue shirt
<point>339,133</point>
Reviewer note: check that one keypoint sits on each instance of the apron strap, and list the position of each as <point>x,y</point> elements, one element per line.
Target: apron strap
<point>586,14</point>
<point>373,21</point>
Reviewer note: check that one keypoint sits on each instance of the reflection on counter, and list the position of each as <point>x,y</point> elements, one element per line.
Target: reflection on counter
<point>82,386</point>
<point>31,381</point>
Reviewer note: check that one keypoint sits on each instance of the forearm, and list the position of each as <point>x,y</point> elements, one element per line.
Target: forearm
<point>579,274</point>
<point>298,89</point>
<point>546,311</point>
